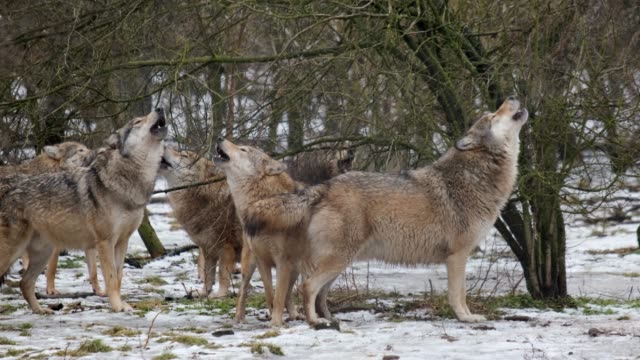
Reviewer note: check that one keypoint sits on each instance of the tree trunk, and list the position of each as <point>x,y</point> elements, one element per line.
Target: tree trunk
<point>536,233</point>
<point>150,238</point>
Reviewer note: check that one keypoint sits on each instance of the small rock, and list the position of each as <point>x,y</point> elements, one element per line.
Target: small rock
<point>56,307</point>
<point>324,326</point>
<point>593,332</point>
<point>222,332</point>
<point>391,357</point>
<point>517,318</point>
<point>483,327</point>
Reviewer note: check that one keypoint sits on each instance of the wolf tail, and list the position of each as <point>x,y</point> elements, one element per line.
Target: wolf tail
<point>282,211</point>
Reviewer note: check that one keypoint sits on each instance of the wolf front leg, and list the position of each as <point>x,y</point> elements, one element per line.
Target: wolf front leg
<point>456,291</point>
<point>248,267</point>
<point>39,251</point>
<point>106,250</point>
<point>120,252</point>
<point>284,274</point>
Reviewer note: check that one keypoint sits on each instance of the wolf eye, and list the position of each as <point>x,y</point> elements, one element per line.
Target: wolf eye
<point>243,149</point>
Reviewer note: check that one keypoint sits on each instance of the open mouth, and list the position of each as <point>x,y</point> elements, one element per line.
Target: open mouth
<point>221,155</point>
<point>520,114</point>
<point>164,164</point>
<point>159,124</point>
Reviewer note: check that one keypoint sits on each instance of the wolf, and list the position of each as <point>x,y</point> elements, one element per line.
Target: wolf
<point>434,214</point>
<point>59,157</point>
<point>265,177</point>
<point>54,158</point>
<point>206,213</point>
<point>98,206</point>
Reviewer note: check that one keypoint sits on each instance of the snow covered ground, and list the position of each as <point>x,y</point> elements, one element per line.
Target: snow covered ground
<point>165,324</point>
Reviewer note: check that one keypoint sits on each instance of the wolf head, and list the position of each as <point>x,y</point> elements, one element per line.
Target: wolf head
<point>496,131</point>
<point>68,155</point>
<point>186,166</point>
<point>245,161</point>
<point>140,135</point>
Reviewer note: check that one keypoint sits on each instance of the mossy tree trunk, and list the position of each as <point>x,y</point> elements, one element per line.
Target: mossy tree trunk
<point>150,238</point>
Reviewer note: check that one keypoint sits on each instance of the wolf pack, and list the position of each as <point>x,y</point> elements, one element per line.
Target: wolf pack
<point>309,223</point>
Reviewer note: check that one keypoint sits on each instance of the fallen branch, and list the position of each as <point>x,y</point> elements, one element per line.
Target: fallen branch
<point>139,262</point>
<point>75,295</point>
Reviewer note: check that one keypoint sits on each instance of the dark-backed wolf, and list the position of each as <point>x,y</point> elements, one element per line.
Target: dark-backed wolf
<point>435,214</point>
<point>206,213</point>
<point>59,157</point>
<point>97,206</point>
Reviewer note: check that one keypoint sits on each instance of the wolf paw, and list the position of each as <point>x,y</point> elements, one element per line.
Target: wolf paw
<point>99,292</point>
<point>199,294</point>
<point>277,323</point>
<point>218,294</point>
<point>53,291</point>
<point>123,307</point>
<point>472,318</point>
<point>43,311</point>
<point>294,317</point>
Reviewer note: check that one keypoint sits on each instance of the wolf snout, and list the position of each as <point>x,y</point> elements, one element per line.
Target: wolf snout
<point>161,122</point>
<point>220,139</point>
<point>521,115</point>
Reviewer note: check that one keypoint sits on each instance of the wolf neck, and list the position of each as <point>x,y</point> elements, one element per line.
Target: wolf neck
<point>131,178</point>
<point>246,190</point>
<point>480,180</point>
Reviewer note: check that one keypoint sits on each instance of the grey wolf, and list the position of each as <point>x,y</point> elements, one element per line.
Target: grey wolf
<point>206,213</point>
<point>59,157</point>
<point>252,176</point>
<point>434,214</point>
<point>98,206</point>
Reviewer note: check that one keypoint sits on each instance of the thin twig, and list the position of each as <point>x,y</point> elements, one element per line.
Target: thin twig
<point>150,328</point>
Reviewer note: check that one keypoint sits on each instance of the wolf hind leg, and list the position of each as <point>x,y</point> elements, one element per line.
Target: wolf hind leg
<point>321,301</point>
<point>39,254</point>
<point>91,256</point>
<point>327,271</point>
<point>456,292</point>
<point>227,265</point>
<point>52,267</point>
<point>291,307</point>
<point>209,270</point>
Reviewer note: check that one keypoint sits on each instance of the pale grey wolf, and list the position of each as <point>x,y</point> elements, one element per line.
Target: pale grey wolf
<point>435,214</point>
<point>59,157</point>
<point>206,214</point>
<point>97,206</point>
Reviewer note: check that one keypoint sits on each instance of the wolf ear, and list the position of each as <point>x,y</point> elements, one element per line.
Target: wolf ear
<point>466,143</point>
<point>275,167</point>
<point>113,141</point>
<point>53,152</point>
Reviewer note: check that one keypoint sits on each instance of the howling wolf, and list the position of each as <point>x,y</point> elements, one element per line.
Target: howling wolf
<point>98,206</point>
